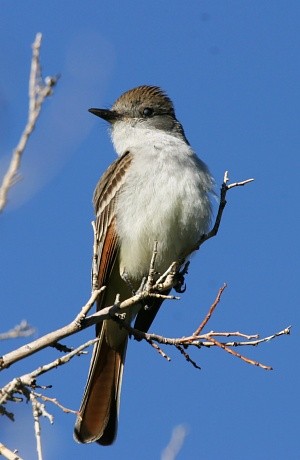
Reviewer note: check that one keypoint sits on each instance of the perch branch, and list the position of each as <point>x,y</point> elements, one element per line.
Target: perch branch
<point>80,323</point>
<point>206,340</point>
<point>224,189</point>
<point>21,384</point>
<point>164,283</point>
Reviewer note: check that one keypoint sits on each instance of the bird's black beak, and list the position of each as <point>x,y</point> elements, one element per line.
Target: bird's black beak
<point>108,115</point>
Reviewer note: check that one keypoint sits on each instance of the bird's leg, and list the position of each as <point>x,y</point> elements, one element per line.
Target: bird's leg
<point>179,280</point>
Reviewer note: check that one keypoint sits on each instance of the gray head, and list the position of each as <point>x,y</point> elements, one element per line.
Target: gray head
<point>144,104</point>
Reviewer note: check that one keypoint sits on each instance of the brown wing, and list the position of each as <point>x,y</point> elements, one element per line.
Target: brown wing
<point>104,204</point>
<point>99,408</point>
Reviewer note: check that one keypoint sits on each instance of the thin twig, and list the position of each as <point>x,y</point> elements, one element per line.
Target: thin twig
<point>213,232</point>
<point>211,310</point>
<point>159,350</point>
<point>79,323</point>
<point>55,402</point>
<point>200,340</point>
<point>21,384</point>
<point>187,356</point>
<point>204,340</point>
<point>208,341</point>
<point>233,334</point>
<point>238,355</point>
<point>37,426</point>
<point>39,90</point>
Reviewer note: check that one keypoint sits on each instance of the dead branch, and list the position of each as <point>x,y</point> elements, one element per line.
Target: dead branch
<point>164,283</point>
<point>210,312</point>
<point>7,453</point>
<point>39,90</point>
<point>36,412</point>
<point>238,355</point>
<point>24,384</point>
<point>78,324</point>
<point>150,287</point>
<point>55,402</point>
<point>187,356</point>
<point>18,384</point>
<point>206,340</point>
<point>159,350</point>
<point>213,232</point>
<point>53,337</point>
<point>81,322</point>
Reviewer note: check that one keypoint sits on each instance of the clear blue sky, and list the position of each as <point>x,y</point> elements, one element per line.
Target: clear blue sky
<point>232,69</point>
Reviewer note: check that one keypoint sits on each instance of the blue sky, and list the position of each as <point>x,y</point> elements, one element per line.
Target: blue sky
<point>232,70</point>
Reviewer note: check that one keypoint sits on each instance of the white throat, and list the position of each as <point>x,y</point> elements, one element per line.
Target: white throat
<point>135,135</point>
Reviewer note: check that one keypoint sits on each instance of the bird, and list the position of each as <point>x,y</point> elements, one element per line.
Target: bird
<point>157,190</point>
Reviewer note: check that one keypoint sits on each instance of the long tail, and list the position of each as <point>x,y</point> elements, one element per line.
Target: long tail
<point>98,414</point>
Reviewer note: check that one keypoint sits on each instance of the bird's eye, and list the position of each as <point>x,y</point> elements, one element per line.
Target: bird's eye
<point>147,112</point>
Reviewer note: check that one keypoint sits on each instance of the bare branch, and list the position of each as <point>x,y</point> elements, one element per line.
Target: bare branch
<point>55,402</point>
<point>149,288</point>
<point>37,426</point>
<point>76,325</point>
<point>165,283</point>
<point>238,355</point>
<point>159,350</point>
<point>7,453</point>
<point>252,343</point>
<point>213,232</point>
<point>39,90</point>
<point>21,385</point>
<point>211,310</point>
<point>113,312</point>
<point>187,356</point>
<point>205,340</point>
<point>24,384</point>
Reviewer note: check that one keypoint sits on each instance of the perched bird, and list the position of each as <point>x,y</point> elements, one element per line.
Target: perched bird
<point>157,190</point>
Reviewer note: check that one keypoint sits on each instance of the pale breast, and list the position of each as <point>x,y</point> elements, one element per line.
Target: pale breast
<point>165,198</point>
